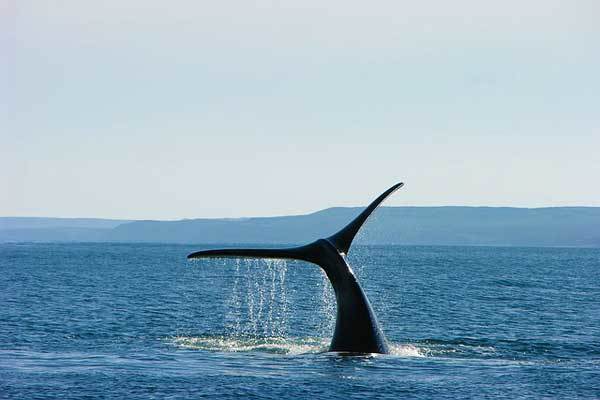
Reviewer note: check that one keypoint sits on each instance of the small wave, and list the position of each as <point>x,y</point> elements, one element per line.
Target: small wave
<point>508,349</point>
<point>461,348</point>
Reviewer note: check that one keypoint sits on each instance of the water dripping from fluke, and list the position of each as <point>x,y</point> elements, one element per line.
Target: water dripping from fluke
<point>257,303</point>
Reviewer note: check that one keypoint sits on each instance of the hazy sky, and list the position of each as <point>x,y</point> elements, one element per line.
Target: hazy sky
<point>182,109</point>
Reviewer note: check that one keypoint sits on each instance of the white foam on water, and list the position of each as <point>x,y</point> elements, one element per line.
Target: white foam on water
<point>408,350</point>
<point>275,345</point>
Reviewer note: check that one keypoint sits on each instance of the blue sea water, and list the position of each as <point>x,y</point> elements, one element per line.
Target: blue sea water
<point>140,321</point>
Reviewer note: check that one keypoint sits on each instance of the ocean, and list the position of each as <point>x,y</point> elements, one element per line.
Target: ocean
<point>140,321</point>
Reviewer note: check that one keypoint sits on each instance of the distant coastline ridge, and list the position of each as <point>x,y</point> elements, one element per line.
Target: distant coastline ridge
<point>449,225</point>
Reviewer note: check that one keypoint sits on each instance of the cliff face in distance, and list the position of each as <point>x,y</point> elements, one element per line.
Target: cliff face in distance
<point>464,226</point>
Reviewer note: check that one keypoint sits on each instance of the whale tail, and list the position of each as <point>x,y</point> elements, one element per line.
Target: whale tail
<point>356,327</point>
<point>341,240</point>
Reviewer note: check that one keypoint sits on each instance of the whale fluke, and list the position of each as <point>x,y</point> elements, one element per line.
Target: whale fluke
<point>291,253</point>
<point>356,328</point>
<point>343,238</point>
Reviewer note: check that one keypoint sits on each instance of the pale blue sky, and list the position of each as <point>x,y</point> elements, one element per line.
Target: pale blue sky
<point>183,109</point>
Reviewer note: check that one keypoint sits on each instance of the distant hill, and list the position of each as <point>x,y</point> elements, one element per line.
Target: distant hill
<point>38,229</point>
<point>469,226</point>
